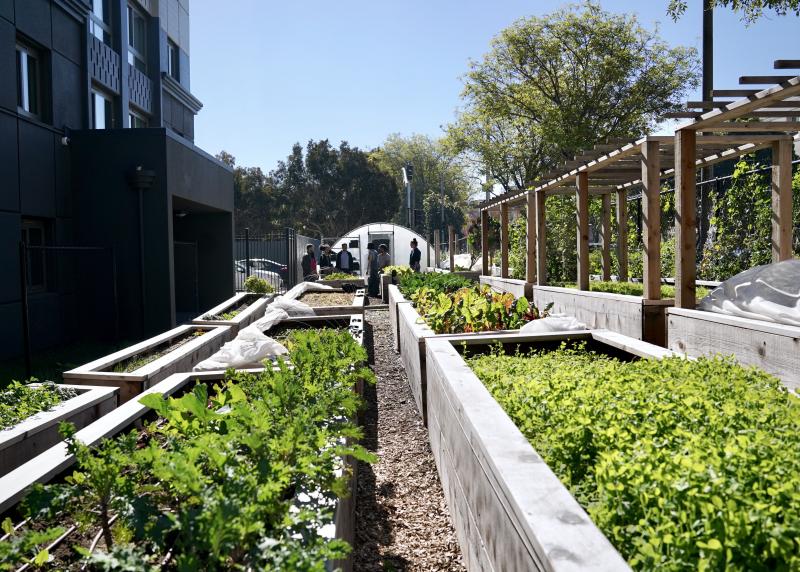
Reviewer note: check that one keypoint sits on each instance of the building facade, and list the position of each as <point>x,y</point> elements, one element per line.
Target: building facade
<point>126,225</point>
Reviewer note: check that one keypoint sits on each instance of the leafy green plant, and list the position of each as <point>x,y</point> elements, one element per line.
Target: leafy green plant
<point>258,285</point>
<point>635,288</point>
<point>436,281</point>
<point>400,270</point>
<point>474,309</point>
<point>21,400</point>
<point>230,315</point>
<point>340,276</point>
<point>242,476</point>
<point>684,465</point>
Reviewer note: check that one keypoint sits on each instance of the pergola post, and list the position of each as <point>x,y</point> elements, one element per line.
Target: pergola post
<point>485,243</point>
<point>530,238</point>
<point>651,218</point>
<point>622,235</point>
<point>605,236</point>
<point>451,247</point>
<point>504,240</point>
<point>437,248</point>
<point>781,200</point>
<point>685,218</point>
<point>582,196</point>
<point>541,239</point>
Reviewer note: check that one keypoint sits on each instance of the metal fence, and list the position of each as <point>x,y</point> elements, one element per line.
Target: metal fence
<point>274,257</point>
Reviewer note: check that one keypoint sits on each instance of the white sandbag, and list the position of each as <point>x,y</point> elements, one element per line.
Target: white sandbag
<point>247,350</point>
<point>291,307</point>
<point>770,292</point>
<point>304,287</point>
<point>553,323</point>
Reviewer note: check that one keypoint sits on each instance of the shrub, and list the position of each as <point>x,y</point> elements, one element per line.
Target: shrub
<point>240,477</point>
<point>684,465</point>
<point>20,400</point>
<point>258,285</point>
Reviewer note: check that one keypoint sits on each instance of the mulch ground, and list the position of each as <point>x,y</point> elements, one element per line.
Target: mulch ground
<point>402,517</point>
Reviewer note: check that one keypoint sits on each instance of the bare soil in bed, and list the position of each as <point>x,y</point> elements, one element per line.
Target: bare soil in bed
<point>402,520</point>
<point>318,299</point>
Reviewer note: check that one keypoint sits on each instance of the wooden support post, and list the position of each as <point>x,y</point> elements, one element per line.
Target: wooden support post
<point>451,247</point>
<point>605,236</point>
<point>541,240</point>
<point>582,200</point>
<point>651,219</point>
<point>530,238</point>
<point>504,240</point>
<point>622,235</point>
<point>685,218</point>
<point>781,200</point>
<point>437,248</point>
<point>485,270</point>
<point>428,252</point>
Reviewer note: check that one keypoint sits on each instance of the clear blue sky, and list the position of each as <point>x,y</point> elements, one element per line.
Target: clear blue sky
<point>274,72</point>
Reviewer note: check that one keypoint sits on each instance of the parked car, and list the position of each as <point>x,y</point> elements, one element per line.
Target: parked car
<point>271,266</point>
<point>272,278</point>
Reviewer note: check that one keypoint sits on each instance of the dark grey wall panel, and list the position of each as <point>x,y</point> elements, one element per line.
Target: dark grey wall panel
<point>9,176</point>
<point>10,234</point>
<point>45,320</point>
<point>8,66</point>
<point>197,177</point>
<point>63,179</point>
<point>67,35</point>
<point>67,92</point>
<point>7,10</point>
<point>33,20</point>
<point>10,338</point>
<point>36,170</point>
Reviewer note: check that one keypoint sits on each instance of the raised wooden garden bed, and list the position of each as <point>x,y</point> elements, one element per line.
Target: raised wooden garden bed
<point>775,348</point>
<point>629,315</point>
<point>354,282</point>
<point>395,298</point>
<point>509,510</point>
<point>335,302</point>
<point>354,323</point>
<point>518,288</point>
<point>237,312</point>
<point>39,432</point>
<point>137,367</point>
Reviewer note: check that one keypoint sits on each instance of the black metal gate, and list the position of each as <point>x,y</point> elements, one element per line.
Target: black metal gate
<point>271,256</point>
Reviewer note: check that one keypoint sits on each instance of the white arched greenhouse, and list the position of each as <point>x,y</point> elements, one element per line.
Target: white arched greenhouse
<point>397,238</point>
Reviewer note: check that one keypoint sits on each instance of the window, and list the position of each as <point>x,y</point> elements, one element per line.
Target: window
<point>102,111</point>
<point>33,235</point>
<point>100,21</point>
<point>137,39</point>
<point>29,85</point>
<point>136,121</point>
<point>174,60</point>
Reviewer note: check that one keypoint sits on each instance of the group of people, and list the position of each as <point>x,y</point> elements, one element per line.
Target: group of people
<point>377,260</point>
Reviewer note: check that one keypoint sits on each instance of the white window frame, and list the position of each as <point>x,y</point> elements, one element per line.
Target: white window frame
<point>100,21</point>
<point>135,114</point>
<point>135,56</point>
<point>173,60</point>
<point>97,93</point>
<point>41,226</point>
<point>24,96</point>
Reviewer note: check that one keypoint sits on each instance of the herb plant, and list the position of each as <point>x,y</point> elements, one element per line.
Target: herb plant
<point>684,465</point>
<point>400,270</point>
<point>258,285</point>
<point>436,281</point>
<point>339,276</point>
<point>239,477</point>
<point>22,400</point>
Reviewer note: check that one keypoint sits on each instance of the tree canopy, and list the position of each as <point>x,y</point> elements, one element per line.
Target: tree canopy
<point>556,84</point>
<point>751,10</point>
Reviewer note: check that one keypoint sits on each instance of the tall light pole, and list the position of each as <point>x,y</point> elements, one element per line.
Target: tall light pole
<point>408,175</point>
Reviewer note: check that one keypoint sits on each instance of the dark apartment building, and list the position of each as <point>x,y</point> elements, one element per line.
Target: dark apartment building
<point>126,224</point>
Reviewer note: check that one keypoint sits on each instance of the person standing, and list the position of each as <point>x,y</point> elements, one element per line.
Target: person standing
<point>384,259</point>
<point>416,256</point>
<point>344,260</point>
<point>325,262</point>
<point>309,264</point>
<point>372,266</point>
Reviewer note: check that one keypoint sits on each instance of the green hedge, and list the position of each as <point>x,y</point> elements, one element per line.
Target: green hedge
<point>684,465</point>
<point>635,288</point>
<point>238,477</point>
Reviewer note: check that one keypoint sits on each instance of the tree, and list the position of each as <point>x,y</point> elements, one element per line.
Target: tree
<point>328,191</point>
<point>553,85</point>
<point>751,10</point>
<point>253,198</point>
<point>434,169</point>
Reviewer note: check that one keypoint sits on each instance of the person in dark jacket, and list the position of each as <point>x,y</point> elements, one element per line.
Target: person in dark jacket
<point>325,262</point>
<point>416,256</point>
<point>344,260</point>
<point>309,263</point>
<point>372,267</point>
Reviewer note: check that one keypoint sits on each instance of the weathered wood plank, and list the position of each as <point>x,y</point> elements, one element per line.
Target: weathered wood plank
<point>651,219</point>
<point>622,234</point>
<point>541,239</point>
<point>504,239</point>
<point>395,298</point>
<point>775,348</point>
<point>519,288</point>
<point>437,255</point>
<point>781,201</point>
<point>485,243</point>
<point>530,238</point>
<point>685,218</point>
<point>582,202</point>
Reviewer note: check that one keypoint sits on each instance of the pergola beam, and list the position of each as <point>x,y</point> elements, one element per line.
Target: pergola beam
<point>781,201</point>
<point>541,239</point>
<point>651,220</point>
<point>582,196</point>
<point>622,234</point>
<point>530,238</point>
<point>504,240</point>
<point>451,247</point>
<point>605,237</point>
<point>685,218</point>
<point>485,243</point>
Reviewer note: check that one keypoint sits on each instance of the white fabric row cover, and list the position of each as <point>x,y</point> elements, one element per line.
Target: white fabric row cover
<point>770,293</point>
<point>251,346</point>
<point>553,323</point>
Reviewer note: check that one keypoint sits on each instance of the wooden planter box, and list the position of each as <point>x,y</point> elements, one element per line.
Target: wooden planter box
<point>357,306</point>
<point>631,316</point>
<point>101,371</point>
<point>39,432</point>
<point>354,323</point>
<point>518,288</point>
<point>414,333</point>
<point>55,460</point>
<point>355,281</point>
<point>395,299</point>
<point>775,348</point>
<point>243,319</point>
<point>509,510</point>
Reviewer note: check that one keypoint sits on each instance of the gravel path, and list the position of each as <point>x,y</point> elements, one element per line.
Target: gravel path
<point>402,517</point>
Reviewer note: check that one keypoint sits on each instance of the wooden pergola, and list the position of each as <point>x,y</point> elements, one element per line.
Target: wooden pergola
<point>617,166</point>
